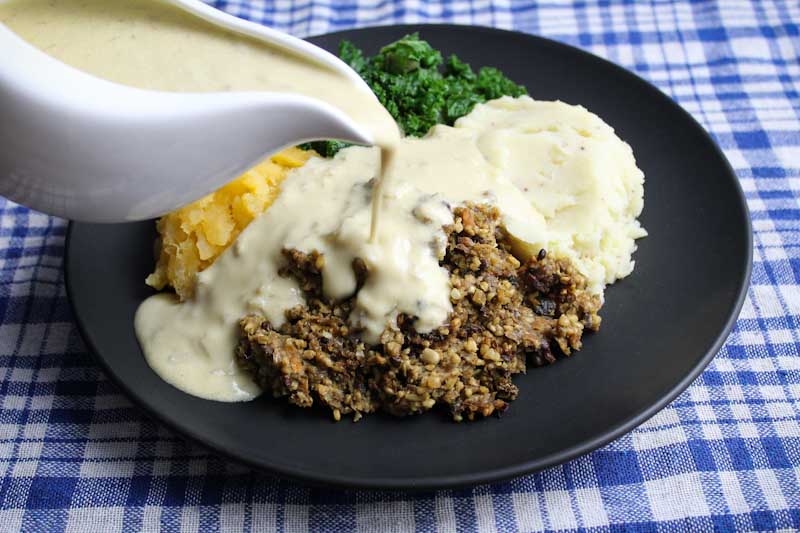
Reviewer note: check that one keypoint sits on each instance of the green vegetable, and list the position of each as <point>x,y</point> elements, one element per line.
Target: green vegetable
<point>419,88</point>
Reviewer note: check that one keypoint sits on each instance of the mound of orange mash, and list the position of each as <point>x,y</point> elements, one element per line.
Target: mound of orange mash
<point>192,237</point>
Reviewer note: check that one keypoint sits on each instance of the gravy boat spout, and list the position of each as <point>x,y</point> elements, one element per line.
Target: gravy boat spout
<point>84,148</point>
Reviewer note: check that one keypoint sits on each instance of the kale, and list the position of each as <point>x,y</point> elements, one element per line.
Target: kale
<point>419,88</point>
<point>325,148</point>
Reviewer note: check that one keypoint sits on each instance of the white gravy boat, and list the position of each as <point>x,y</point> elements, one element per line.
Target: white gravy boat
<point>84,148</point>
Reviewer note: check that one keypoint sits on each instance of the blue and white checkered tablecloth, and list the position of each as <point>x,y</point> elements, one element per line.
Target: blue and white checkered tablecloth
<point>75,454</point>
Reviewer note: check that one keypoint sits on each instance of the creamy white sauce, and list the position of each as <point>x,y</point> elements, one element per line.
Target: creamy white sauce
<point>325,206</point>
<point>152,45</point>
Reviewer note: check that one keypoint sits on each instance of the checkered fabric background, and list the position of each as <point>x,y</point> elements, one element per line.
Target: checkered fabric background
<point>75,455</point>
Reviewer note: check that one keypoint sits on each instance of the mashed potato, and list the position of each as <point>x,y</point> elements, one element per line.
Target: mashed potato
<point>191,238</point>
<point>576,172</point>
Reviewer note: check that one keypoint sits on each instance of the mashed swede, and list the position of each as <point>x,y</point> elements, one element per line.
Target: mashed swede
<point>192,237</point>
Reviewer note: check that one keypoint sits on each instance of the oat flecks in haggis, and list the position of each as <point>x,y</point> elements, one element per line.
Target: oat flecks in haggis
<point>505,314</point>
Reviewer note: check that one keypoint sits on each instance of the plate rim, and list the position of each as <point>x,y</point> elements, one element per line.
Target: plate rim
<point>495,474</point>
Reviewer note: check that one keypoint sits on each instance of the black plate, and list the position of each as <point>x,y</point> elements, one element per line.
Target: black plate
<point>661,326</point>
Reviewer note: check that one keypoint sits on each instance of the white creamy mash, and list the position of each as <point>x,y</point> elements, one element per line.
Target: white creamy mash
<point>575,171</point>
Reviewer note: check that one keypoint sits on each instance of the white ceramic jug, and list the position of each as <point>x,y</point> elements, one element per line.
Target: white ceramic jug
<point>83,148</point>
